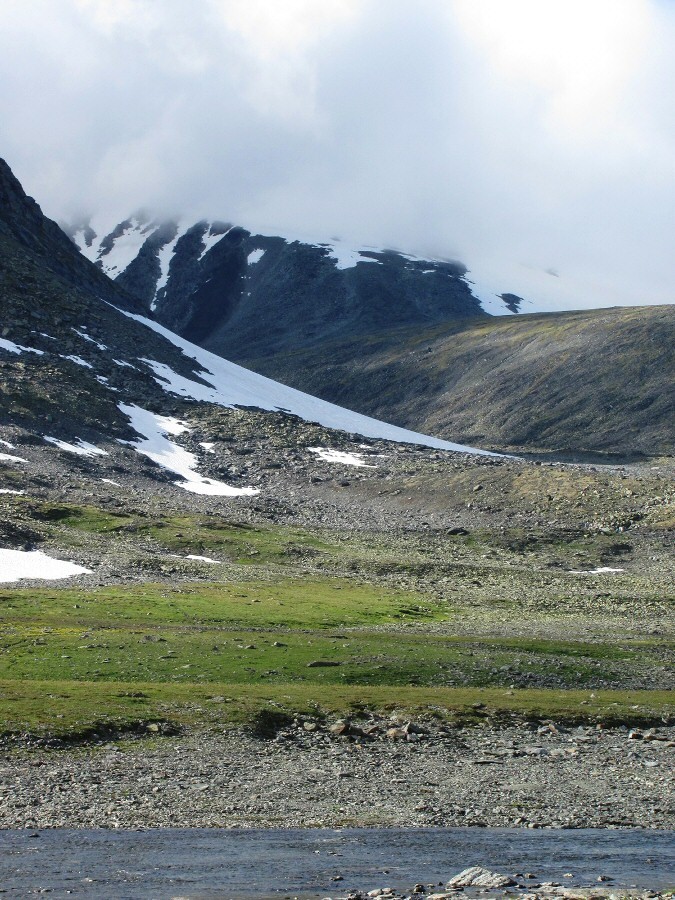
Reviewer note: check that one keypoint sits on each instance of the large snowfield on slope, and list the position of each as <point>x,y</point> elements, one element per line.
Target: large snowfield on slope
<point>232,385</point>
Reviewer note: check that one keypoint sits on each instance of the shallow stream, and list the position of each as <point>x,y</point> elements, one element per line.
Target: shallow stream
<point>262,863</point>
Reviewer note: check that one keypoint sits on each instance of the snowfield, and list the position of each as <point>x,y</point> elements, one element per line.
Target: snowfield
<point>231,385</point>
<point>157,447</point>
<point>18,564</point>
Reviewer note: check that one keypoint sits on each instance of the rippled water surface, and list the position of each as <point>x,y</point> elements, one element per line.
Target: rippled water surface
<point>261,863</point>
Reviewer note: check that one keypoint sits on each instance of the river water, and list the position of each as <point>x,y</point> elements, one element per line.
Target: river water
<point>266,863</point>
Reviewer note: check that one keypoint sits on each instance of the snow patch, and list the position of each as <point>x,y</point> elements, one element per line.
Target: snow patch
<point>7,444</point>
<point>80,448</point>
<point>90,339</point>
<point>9,491</point>
<point>210,240</point>
<point>78,360</point>
<point>123,364</point>
<point>18,348</point>
<point>104,381</point>
<point>255,256</point>
<point>231,385</point>
<point>208,446</point>
<point>168,455</point>
<point>339,456</point>
<point>110,481</point>
<point>164,256</point>
<point>169,425</point>
<point>125,248</point>
<point>17,564</point>
<point>7,457</point>
<point>346,258</point>
<point>206,559</point>
<point>603,570</point>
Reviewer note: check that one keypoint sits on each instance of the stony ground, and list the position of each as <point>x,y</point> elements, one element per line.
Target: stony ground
<point>377,773</point>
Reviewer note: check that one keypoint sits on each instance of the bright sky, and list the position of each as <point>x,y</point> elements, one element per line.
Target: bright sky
<point>522,137</point>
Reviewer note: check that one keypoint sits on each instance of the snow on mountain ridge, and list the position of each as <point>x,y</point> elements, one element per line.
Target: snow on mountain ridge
<point>114,252</point>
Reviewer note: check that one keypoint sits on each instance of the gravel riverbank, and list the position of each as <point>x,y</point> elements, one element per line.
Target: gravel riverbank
<point>517,775</point>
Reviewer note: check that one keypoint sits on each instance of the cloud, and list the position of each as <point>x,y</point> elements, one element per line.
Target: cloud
<point>515,135</point>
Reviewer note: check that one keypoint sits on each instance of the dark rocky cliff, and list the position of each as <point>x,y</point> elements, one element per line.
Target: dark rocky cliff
<point>22,220</point>
<point>238,293</point>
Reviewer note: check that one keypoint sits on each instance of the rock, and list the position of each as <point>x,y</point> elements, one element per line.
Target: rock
<point>396,734</point>
<point>477,876</point>
<point>339,728</point>
<point>321,664</point>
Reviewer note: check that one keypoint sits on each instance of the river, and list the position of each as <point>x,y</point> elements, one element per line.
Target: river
<point>262,863</point>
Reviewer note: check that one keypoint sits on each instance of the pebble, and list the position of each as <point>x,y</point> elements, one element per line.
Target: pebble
<point>346,772</point>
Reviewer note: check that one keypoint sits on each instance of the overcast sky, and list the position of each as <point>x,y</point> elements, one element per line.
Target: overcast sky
<point>523,137</point>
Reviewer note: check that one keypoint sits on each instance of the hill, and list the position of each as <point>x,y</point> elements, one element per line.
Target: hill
<point>598,380</point>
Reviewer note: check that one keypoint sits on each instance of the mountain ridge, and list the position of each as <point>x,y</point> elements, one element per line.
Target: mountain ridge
<point>367,329</point>
<point>223,286</point>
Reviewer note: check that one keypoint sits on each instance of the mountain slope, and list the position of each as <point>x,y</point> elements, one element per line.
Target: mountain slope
<point>598,380</point>
<point>225,288</point>
<point>401,338</point>
<point>89,350</point>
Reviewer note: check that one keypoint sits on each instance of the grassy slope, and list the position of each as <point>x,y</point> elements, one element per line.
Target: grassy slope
<point>213,653</point>
<point>598,380</point>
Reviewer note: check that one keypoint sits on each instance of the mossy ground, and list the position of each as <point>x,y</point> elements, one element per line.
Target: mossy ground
<point>155,652</point>
<point>76,709</point>
<point>304,614</point>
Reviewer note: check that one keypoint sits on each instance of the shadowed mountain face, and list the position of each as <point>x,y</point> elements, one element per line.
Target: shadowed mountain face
<point>233,292</point>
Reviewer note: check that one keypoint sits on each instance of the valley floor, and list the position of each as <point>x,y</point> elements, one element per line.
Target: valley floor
<point>519,615</point>
<point>484,775</point>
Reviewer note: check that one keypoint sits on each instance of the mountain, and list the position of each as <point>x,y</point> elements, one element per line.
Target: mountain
<point>227,289</point>
<point>228,552</point>
<point>598,381</point>
<point>403,338</point>
<point>85,342</point>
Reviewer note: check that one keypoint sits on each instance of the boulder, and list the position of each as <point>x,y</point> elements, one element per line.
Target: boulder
<point>477,876</point>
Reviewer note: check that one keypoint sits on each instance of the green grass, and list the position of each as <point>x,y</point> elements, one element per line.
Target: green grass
<point>175,653</point>
<point>73,709</point>
<point>200,535</point>
<point>301,603</point>
<point>74,659</point>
